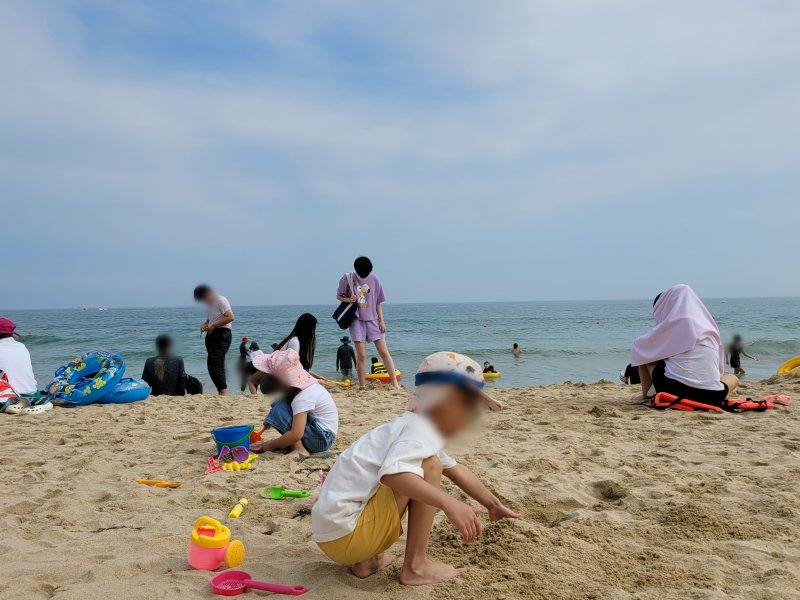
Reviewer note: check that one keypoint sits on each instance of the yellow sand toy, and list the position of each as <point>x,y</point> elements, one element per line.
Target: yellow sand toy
<point>243,466</point>
<point>793,364</point>
<point>159,483</point>
<point>345,383</point>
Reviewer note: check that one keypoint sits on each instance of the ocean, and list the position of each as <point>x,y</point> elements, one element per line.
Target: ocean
<point>576,341</point>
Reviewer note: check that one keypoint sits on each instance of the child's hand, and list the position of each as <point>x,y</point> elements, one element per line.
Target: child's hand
<point>382,326</point>
<point>465,518</point>
<point>496,513</point>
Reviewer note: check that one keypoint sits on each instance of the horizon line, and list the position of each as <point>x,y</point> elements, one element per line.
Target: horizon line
<point>188,306</point>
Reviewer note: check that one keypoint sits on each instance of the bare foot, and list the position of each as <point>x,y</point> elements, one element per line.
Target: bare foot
<point>369,567</point>
<point>427,572</point>
<point>638,398</point>
<point>295,454</point>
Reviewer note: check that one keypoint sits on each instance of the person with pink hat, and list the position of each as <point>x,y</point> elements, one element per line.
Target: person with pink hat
<point>397,468</point>
<point>305,415</point>
<point>15,360</point>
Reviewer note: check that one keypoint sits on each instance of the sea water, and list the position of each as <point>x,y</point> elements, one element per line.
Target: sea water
<point>577,341</point>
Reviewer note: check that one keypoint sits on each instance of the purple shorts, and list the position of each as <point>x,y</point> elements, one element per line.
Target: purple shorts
<point>365,331</point>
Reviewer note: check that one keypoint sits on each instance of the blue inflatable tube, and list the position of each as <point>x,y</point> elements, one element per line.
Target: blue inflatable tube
<point>127,390</point>
<point>88,378</point>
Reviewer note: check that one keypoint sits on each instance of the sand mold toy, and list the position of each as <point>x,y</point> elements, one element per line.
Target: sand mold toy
<point>210,546</point>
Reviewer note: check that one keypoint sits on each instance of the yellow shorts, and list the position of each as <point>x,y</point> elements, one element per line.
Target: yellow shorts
<point>377,529</point>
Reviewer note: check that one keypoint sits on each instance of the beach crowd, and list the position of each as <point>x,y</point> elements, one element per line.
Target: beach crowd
<point>396,470</point>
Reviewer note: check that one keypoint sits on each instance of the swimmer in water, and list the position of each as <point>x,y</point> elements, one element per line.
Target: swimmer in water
<point>516,350</point>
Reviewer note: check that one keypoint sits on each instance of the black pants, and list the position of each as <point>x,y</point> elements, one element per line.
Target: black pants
<point>218,342</point>
<point>681,390</point>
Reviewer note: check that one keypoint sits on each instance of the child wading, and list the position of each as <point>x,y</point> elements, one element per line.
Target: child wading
<point>345,358</point>
<point>397,468</point>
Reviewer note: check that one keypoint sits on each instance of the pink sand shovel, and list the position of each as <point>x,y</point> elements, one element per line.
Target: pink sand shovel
<point>233,583</point>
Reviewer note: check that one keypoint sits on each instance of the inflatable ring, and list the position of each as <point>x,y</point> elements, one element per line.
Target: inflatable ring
<point>790,365</point>
<point>87,378</point>
<point>382,377</point>
<point>492,375</point>
<point>127,390</point>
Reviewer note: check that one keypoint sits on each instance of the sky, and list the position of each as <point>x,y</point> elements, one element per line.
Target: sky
<point>476,151</point>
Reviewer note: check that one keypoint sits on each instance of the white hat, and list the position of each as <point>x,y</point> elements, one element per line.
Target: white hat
<point>447,368</point>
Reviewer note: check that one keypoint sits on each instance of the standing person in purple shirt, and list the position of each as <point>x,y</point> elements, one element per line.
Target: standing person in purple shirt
<point>368,326</point>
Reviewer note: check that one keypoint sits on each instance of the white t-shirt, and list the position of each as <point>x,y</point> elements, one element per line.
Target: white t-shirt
<point>317,400</point>
<point>15,362</point>
<point>398,446</point>
<point>251,354</point>
<point>217,310</point>
<point>698,368</point>
<point>293,343</point>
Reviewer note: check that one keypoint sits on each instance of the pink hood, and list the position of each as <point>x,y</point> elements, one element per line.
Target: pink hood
<point>682,322</point>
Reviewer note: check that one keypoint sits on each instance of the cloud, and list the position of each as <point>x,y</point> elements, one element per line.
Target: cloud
<point>320,125</point>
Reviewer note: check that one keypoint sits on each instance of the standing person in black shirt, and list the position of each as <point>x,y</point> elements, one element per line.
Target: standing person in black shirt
<point>345,357</point>
<point>241,364</point>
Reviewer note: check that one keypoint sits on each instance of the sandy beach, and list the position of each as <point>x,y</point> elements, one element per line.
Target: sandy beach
<point>619,501</point>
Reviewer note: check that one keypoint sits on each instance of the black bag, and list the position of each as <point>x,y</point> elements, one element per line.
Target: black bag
<point>346,312</point>
<point>193,385</point>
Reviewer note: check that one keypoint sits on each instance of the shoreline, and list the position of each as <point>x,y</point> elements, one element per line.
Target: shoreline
<point>618,500</point>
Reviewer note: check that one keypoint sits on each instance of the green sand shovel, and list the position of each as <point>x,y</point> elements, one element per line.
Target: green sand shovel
<point>278,493</point>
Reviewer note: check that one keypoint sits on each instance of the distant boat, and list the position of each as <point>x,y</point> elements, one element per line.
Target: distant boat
<point>102,309</point>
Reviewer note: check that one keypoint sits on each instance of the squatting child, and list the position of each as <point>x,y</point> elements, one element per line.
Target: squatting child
<point>397,468</point>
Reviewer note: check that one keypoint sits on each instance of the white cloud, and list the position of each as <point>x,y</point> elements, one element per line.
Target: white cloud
<point>534,108</point>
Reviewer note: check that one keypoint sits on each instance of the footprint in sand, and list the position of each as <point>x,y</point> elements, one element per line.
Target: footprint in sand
<point>609,490</point>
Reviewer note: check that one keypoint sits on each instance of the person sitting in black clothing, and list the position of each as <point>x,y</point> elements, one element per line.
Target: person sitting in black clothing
<point>488,367</point>
<point>165,373</point>
<point>630,376</point>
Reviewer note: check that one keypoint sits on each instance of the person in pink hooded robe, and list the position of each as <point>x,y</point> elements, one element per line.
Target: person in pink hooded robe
<point>683,354</point>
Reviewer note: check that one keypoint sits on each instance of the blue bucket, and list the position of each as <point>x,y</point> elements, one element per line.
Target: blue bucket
<point>238,435</point>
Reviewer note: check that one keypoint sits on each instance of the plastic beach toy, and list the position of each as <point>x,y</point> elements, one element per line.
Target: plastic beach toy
<point>278,493</point>
<point>255,436</point>
<point>325,454</point>
<point>233,583</point>
<point>383,377</point>
<point>236,511</point>
<point>159,483</point>
<point>240,466</point>
<point>238,435</point>
<point>789,366</point>
<point>212,467</point>
<point>210,546</point>
<point>345,383</point>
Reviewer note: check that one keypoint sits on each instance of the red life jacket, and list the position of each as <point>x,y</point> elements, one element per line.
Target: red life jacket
<point>663,401</point>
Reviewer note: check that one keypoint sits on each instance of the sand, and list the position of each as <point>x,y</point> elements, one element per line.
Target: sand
<point>619,501</point>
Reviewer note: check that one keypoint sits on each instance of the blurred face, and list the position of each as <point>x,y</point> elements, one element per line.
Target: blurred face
<point>209,297</point>
<point>456,410</point>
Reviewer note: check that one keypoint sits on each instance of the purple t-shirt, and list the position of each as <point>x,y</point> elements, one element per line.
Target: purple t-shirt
<point>369,292</point>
